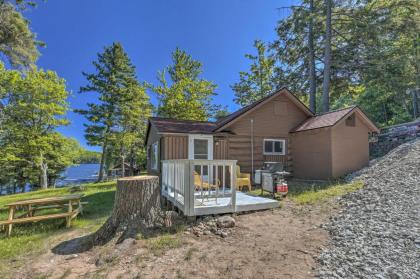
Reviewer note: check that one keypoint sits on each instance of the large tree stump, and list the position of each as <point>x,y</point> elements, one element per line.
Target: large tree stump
<point>137,207</point>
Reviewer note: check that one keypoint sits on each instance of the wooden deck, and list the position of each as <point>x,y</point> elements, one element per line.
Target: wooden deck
<point>181,187</point>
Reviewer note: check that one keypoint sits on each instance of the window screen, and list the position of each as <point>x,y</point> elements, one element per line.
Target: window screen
<point>274,147</point>
<point>201,149</point>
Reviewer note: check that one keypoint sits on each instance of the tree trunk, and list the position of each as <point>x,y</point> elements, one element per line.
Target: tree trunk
<point>122,166</point>
<point>327,59</point>
<point>43,179</point>
<point>102,163</point>
<point>312,75</point>
<point>137,207</point>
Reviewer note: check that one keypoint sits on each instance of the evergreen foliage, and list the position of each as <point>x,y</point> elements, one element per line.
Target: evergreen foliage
<point>117,122</point>
<point>375,47</point>
<point>187,95</point>
<point>18,45</point>
<point>259,81</point>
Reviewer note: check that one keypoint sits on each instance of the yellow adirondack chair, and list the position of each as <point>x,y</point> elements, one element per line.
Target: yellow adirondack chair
<point>242,179</point>
<point>198,183</point>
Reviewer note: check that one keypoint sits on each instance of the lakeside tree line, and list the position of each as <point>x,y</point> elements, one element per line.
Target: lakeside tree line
<point>329,53</point>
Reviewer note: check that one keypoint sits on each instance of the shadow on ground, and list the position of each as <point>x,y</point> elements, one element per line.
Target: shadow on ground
<point>74,246</point>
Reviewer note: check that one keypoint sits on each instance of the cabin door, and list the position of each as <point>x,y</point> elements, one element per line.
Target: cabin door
<point>200,147</point>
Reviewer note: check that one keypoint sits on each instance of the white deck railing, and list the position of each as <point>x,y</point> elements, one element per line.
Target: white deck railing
<point>198,187</point>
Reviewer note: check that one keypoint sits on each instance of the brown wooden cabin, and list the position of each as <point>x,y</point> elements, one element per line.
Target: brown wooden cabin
<point>276,128</point>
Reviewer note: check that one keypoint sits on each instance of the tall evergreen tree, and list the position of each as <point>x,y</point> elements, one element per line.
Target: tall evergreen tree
<point>258,82</point>
<point>374,46</point>
<point>327,57</point>
<point>187,95</point>
<point>18,45</point>
<point>120,94</point>
<point>311,58</point>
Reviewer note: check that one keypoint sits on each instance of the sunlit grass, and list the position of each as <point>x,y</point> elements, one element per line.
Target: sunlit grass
<point>33,237</point>
<point>316,196</point>
<point>303,192</point>
<point>159,244</point>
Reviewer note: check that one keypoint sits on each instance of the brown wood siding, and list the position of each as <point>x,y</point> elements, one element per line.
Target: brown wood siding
<point>269,120</point>
<point>350,147</point>
<point>273,120</point>
<point>240,149</point>
<point>312,154</point>
<point>220,149</point>
<point>175,147</point>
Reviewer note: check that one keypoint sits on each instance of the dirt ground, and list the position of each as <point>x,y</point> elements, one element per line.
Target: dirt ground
<point>280,243</point>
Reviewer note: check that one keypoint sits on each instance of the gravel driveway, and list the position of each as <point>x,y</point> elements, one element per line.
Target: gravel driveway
<point>377,234</point>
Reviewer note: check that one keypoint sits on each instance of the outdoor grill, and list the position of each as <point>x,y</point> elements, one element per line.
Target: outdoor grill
<point>271,177</point>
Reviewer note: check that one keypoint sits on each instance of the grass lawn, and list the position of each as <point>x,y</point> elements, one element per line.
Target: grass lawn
<point>33,237</point>
<point>303,192</point>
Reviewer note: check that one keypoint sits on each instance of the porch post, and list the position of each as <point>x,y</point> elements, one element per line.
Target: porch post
<point>188,189</point>
<point>233,185</point>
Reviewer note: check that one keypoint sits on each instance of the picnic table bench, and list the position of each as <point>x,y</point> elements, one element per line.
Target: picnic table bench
<point>72,203</point>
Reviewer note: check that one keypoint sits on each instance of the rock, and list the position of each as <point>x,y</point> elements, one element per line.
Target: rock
<point>99,262</point>
<point>226,222</point>
<point>376,234</point>
<point>71,257</point>
<point>223,234</point>
<point>207,232</point>
<point>126,244</point>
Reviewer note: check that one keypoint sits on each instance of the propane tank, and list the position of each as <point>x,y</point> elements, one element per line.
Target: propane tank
<point>282,188</point>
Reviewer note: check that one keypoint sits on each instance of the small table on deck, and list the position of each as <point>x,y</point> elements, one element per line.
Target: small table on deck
<point>65,202</point>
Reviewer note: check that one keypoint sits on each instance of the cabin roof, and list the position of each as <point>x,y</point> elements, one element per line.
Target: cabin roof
<point>168,125</point>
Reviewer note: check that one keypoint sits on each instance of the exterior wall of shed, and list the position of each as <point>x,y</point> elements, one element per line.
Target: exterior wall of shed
<point>312,154</point>
<point>272,120</point>
<point>350,147</point>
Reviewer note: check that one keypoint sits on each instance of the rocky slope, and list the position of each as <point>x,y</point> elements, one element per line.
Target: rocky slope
<point>377,234</point>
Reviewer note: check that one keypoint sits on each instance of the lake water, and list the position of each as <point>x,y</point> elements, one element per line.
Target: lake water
<point>79,174</point>
<point>83,173</point>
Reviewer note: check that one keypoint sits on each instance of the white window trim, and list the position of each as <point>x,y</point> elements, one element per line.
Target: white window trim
<point>191,139</point>
<point>154,167</point>
<point>275,153</point>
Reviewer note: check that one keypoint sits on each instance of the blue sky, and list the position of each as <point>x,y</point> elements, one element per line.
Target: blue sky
<point>218,33</point>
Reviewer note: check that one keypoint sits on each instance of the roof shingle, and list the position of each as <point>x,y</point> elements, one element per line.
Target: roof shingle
<point>323,120</point>
<point>167,125</point>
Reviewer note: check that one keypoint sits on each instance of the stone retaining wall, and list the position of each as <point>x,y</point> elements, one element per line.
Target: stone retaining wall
<point>393,136</point>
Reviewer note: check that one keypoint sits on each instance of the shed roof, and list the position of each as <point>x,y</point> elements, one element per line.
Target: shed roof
<point>331,118</point>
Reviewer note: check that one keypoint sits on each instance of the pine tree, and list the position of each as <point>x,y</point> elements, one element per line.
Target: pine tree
<point>327,57</point>
<point>120,94</point>
<point>187,95</point>
<point>258,82</point>
<point>18,45</point>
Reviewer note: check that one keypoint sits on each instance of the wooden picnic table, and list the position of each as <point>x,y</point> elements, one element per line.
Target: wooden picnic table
<point>66,202</point>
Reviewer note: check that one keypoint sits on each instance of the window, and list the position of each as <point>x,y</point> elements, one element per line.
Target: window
<point>200,147</point>
<point>274,147</point>
<point>154,156</point>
